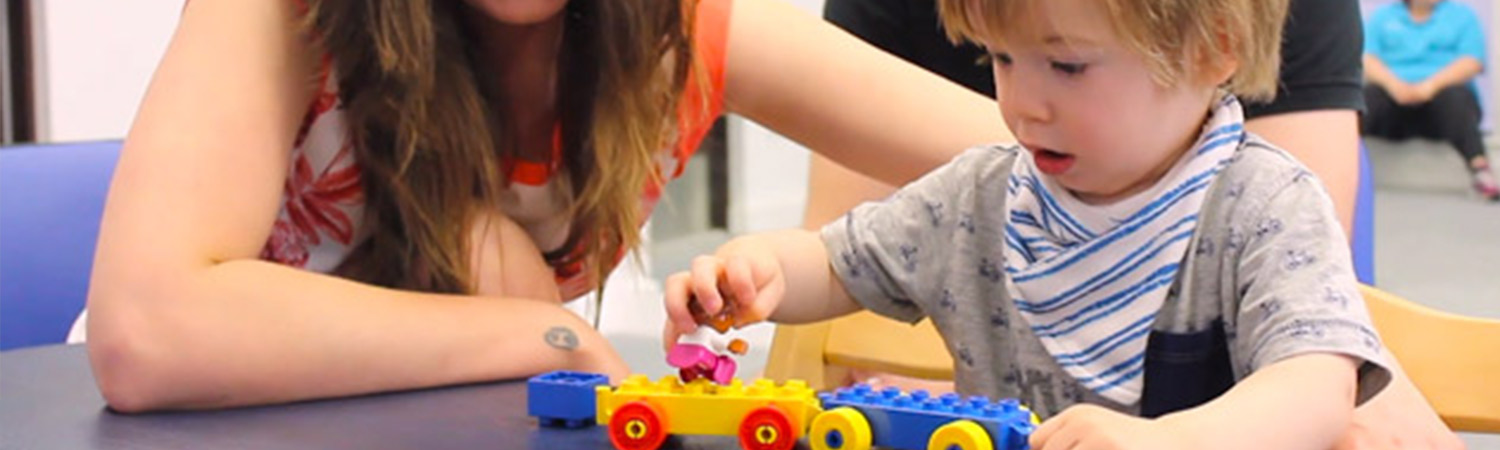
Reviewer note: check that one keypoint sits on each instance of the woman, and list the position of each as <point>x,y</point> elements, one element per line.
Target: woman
<point>336,198</point>
<point>1421,57</point>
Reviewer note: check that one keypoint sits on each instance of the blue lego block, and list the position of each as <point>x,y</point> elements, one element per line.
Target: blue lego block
<point>563,398</point>
<point>906,421</point>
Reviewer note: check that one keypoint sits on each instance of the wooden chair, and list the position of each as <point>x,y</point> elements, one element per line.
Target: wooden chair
<point>1453,360</point>
<point>822,353</point>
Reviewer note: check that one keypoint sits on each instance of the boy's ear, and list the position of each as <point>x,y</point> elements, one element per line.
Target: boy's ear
<point>1216,64</point>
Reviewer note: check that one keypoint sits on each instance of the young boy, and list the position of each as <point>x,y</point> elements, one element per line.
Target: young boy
<point>1138,254</point>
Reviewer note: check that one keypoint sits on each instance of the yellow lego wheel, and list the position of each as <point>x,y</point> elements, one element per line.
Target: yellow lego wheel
<point>637,425</point>
<point>842,428</point>
<point>767,428</point>
<point>960,435</point>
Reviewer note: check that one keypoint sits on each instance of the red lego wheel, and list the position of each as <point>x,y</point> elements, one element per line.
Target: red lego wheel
<point>637,426</point>
<point>767,428</point>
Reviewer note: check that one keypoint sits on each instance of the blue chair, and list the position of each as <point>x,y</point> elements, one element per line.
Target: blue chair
<point>1362,234</point>
<point>51,202</point>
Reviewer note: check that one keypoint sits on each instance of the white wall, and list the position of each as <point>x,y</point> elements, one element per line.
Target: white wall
<point>1493,27</point>
<point>1489,82</point>
<point>94,59</point>
<point>768,173</point>
<point>767,179</point>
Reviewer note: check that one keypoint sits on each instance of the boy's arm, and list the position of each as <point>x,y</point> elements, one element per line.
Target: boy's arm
<point>812,292</point>
<point>1303,402</point>
<point>885,256</point>
<point>1301,333</point>
<point>782,274</point>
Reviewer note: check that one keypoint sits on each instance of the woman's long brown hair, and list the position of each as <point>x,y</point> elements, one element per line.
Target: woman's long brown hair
<point>425,133</point>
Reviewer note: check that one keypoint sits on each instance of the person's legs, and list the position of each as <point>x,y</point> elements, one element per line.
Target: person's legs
<point>1384,118</point>
<point>1453,116</point>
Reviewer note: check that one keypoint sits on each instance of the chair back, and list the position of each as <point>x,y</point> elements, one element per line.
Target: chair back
<point>51,202</point>
<point>1453,360</point>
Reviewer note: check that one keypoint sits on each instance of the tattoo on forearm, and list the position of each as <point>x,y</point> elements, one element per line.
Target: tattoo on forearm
<point>562,338</point>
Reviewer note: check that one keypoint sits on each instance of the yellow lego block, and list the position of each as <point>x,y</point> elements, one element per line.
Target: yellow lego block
<point>702,407</point>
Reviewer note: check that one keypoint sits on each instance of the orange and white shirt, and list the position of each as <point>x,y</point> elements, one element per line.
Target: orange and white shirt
<point>323,201</point>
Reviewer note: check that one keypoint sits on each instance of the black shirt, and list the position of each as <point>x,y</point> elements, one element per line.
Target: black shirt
<point>1321,49</point>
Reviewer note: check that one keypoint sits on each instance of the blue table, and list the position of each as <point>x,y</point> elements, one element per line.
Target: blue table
<point>48,400</point>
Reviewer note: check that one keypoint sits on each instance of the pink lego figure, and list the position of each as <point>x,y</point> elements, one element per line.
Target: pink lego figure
<point>704,353</point>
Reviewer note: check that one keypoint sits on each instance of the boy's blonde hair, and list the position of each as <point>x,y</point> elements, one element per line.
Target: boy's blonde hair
<point>1170,34</point>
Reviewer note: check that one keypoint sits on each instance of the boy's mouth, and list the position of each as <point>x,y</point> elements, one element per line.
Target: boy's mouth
<point>1051,162</point>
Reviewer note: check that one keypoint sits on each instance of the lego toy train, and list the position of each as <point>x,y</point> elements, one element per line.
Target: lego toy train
<point>640,414</point>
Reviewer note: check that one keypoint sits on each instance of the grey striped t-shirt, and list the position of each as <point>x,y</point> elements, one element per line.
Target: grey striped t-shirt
<point>1268,272</point>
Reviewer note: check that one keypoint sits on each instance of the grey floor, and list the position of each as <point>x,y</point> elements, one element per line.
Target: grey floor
<point>1441,248</point>
<point>1436,243</point>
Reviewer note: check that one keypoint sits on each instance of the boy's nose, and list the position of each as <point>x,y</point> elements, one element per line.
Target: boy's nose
<point>1021,98</point>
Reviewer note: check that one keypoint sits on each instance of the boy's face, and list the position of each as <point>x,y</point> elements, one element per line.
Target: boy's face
<point>1085,105</point>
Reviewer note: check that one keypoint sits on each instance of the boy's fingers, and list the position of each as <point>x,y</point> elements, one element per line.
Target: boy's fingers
<point>766,299</point>
<point>1046,433</point>
<point>706,271</point>
<point>679,290</point>
<point>740,282</point>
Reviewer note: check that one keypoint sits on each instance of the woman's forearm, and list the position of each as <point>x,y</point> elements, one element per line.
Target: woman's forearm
<point>1377,73</point>
<point>251,332</point>
<point>1457,72</point>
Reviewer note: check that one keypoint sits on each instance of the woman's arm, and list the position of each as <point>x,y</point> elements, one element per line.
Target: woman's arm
<point>1460,71</point>
<point>184,315</point>
<point>1379,74</point>
<point>1470,42</point>
<point>851,102</point>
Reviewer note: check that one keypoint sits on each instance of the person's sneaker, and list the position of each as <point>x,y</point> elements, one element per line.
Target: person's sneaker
<point>1484,183</point>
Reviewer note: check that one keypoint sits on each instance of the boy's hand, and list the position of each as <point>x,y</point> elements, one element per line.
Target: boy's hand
<point>1089,427</point>
<point>749,278</point>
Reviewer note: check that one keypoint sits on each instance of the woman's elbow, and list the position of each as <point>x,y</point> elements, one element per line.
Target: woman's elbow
<point>122,376</point>
<point>125,352</point>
